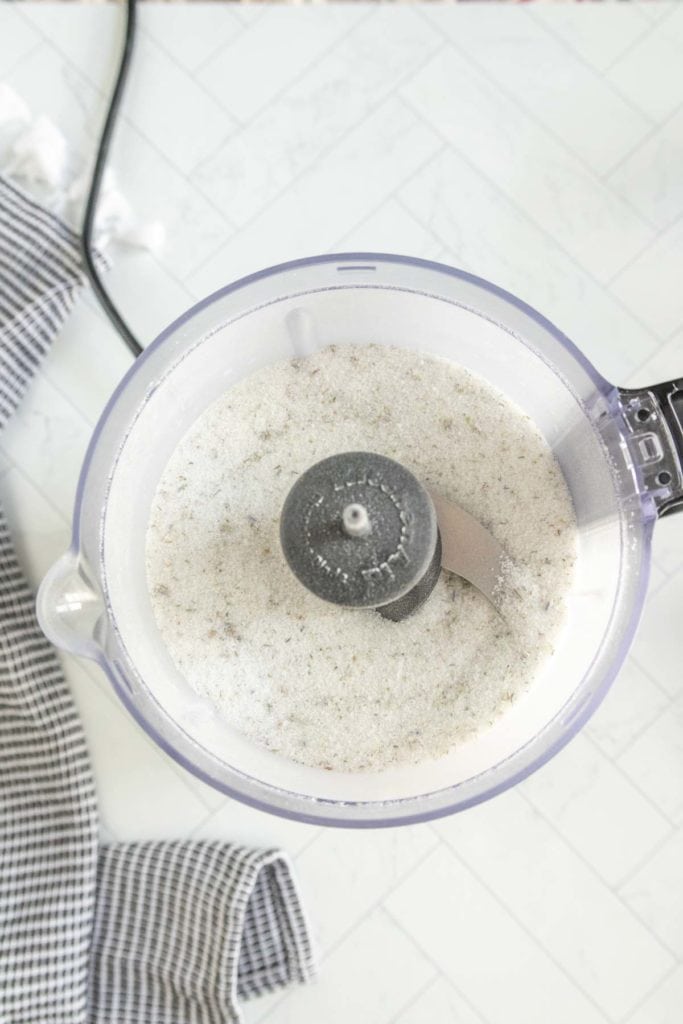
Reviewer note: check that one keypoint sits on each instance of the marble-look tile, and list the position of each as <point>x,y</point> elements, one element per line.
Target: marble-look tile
<point>488,234</point>
<point>531,167</point>
<point>339,190</point>
<point>366,979</point>
<point>48,437</point>
<point>665,363</point>
<point>194,228</point>
<point>168,106</point>
<point>146,294</point>
<point>479,946</point>
<point>572,792</point>
<point>650,72</point>
<point>87,359</point>
<point>39,532</point>
<point>17,38</point>
<point>667,543</point>
<point>574,916</point>
<point>569,98</point>
<point>390,228</point>
<point>347,872</point>
<point>238,823</point>
<point>593,31</point>
<point>664,1005</point>
<point>654,761</point>
<point>140,794</point>
<point>650,285</point>
<point>191,35</point>
<point>658,644</point>
<point>88,36</point>
<point>258,67</point>
<point>657,576</point>
<point>255,1010</point>
<point>71,102</point>
<point>651,179</point>
<point>632,704</point>
<point>302,122</point>
<point>655,893</point>
<point>440,1003</point>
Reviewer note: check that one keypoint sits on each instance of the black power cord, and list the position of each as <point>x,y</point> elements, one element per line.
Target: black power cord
<point>96,181</point>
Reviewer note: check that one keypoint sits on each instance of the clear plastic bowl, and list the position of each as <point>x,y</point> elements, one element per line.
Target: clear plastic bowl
<point>95,602</point>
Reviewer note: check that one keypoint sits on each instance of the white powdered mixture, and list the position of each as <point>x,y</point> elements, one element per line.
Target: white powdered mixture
<point>332,687</point>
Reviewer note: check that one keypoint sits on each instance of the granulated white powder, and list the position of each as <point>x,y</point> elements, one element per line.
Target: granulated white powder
<point>340,688</point>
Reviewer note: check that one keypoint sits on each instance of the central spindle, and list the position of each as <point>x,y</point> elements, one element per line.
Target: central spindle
<point>359,530</point>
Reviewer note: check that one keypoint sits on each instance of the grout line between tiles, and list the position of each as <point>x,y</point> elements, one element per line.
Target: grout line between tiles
<point>656,128</point>
<point>194,71</point>
<point>297,77</point>
<point>599,74</point>
<point>538,227</point>
<point>627,776</point>
<point>533,938</point>
<point>641,252</point>
<point>528,111</point>
<point>612,886</point>
<point>416,995</point>
<point>370,112</point>
<point>631,46</point>
<point>394,194</point>
<point>648,995</point>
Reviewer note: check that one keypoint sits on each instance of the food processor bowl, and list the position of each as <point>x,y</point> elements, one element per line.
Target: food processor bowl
<point>620,453</point>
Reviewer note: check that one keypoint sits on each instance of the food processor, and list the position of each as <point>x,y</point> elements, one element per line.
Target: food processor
<point>621,453</point>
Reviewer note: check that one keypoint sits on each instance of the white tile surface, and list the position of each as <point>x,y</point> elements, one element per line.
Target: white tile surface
<point>366,979</point>
<point>655,893</point>
<point>654,761</point>
<point>592,31</point>
<point>439,1002</point>
<point>569,98</point>
<point>347,183</point>
<point>16,40</point>
<point>490,235</point>
<point>482,949</point>
<point>168,96</point>
<point>578,921</point>
<point>48,438</point>
<point>664,1005</point>
<point>650,72</point>
<point>345,873</point>
<point>304,120</point>
<point>574,791</point>
<point>236,822</point>
<point>659,643</point>
<point>262,132</point>
<point>87,360</point>
<point>125,760</point>
<point>631,705</point>
<point>230,73</point>
<point>214,26</point>
<point>649,285</point>
<point>40,533</point>
<point>390,228</point>
<point>651,177</point>
<point>543,177</point>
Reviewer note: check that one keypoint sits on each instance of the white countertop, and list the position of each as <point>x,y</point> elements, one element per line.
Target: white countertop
<point>539,146</point>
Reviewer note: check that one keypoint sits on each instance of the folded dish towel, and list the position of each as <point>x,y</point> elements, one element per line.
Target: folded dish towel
<point>129,933</point>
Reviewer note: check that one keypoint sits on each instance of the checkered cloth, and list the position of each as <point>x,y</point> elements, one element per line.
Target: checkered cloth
<point>129,933</point>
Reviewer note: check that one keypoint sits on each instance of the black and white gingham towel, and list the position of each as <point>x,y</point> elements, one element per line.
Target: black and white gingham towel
<point>131,933</point>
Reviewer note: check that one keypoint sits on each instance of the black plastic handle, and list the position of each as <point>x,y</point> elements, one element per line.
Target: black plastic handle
<point>654,416</point>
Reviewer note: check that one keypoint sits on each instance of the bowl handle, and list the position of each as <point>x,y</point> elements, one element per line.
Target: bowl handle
<point>70,608</point>
<point>654,418</point>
